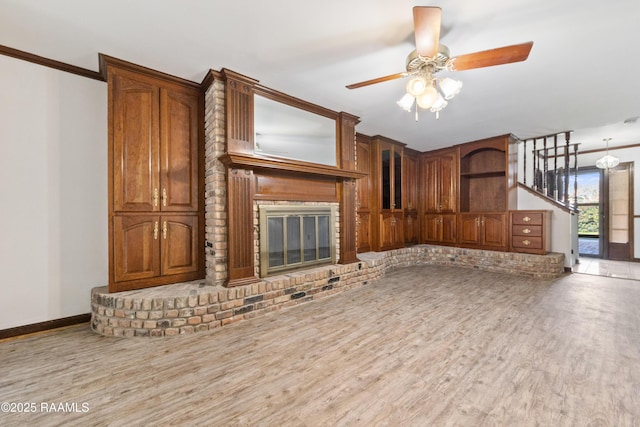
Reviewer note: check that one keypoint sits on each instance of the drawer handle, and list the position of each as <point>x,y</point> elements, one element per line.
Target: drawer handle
<point>526,219</point>
<point>526,242</point>
<point>526,231</point>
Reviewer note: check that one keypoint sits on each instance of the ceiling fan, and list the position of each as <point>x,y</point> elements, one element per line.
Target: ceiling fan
<point>430,56</point>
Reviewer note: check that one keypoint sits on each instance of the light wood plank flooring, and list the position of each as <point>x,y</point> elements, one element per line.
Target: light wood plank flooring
<point>424,346</point>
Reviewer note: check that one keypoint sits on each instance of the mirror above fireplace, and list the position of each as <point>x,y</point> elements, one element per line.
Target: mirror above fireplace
<point>291,132</point>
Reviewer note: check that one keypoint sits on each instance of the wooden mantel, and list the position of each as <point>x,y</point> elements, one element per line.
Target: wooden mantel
<point>252,161</point>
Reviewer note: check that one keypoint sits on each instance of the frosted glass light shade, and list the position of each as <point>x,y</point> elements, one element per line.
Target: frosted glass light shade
<point>428,98</point>
<point>406,102</point>
<point>450,87</point>
<point>439,104</point>
<point>607,162</point>
<point>416,86</point>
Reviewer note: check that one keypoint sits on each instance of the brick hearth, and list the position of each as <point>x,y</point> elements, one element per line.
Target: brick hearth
<point>186,308</point>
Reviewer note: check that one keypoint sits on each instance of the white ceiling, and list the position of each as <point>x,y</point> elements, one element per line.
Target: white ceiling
<point>582,73</point>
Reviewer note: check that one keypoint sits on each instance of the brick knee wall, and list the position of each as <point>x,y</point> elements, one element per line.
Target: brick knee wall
<point>186,308</point>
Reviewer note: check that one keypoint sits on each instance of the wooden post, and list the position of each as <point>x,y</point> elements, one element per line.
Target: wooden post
<point>575,174</point>
<point>545,168</point>
<point>566,168</point>
<point>556,190</point>
<point>524,162</point>
<point>535,166</point>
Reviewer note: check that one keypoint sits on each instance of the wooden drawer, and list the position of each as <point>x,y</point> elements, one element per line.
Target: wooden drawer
<point>527,230</point>
<point>527,218</point>
<point>526,242</point>
<point>530,232</point>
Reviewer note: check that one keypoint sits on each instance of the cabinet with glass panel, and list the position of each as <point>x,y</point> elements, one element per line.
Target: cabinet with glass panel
<point>387,197</point>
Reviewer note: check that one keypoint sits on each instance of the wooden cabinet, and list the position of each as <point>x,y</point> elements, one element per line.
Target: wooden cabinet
<point>487,230</point>
<point>530,232</point>
<point>155,145</point>
<point>155,142</point>
<point>438,184</point>
<point>387,231</point>
<point>410,194</point>
<point>363,232</point>
<point>411,225</point>
<point>487,190</point>
<point>439,178</point>
<point>148,246</point>
<point>363,194</point>
<point>391,232</point>
<point>439,229</point>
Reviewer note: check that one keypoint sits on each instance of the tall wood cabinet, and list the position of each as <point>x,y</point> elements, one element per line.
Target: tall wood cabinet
<point>488,190</point>
<point>411,195</point>
<point>363,191</point>
<point>156,191</point>
<point>438,184</point>
<point>387,199</point>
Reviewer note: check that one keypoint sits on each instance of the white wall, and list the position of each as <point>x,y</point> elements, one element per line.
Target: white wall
<point>53,192</point>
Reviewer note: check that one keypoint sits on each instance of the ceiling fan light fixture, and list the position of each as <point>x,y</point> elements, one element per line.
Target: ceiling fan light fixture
<point>406,102</point>
<point>439,104</point>
<point>417,85</point>
<point>428,98</point>
<point>450,87</point>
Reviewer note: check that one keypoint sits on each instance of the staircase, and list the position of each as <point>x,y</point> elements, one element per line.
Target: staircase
<point>548,164</point>
<point>547,171</point>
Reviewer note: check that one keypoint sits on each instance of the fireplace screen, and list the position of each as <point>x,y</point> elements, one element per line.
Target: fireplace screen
<point>292,237</point>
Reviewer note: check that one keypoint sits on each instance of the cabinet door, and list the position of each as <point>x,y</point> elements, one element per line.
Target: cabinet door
<point>397,180</point>
<point>391,231</point>
<point>494,230</point>
<point>469,229</point>
<point>439,182</point>
<point>136,249</point>
<point>387,225</point>
<point>410,181</point>
<point>431,187</point>
<point>431,228</point>
<point>398,230</point>
<point>179,149</point>
<point>179,244</point>
<point>448,225</point>
<point>135,140</point>
<point>364,232</point>
<point>439,228</point>
<point>411,228</point>
<point>447,182</point>
<point>363,156</point>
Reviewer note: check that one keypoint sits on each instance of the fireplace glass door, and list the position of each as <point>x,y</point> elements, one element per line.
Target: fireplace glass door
<point>292,237</point>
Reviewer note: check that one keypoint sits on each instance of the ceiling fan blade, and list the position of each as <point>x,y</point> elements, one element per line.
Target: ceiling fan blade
<point>426,23</point>
<point>488,58</point>
<point>378,80</point>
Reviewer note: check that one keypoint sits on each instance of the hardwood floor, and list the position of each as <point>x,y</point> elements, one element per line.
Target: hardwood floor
<point>426,345</point>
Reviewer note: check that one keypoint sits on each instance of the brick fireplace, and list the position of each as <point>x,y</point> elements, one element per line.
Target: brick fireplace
<point>221,299</point>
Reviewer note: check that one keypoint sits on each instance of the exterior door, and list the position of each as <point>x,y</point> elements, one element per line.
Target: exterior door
<point>618,217</point>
